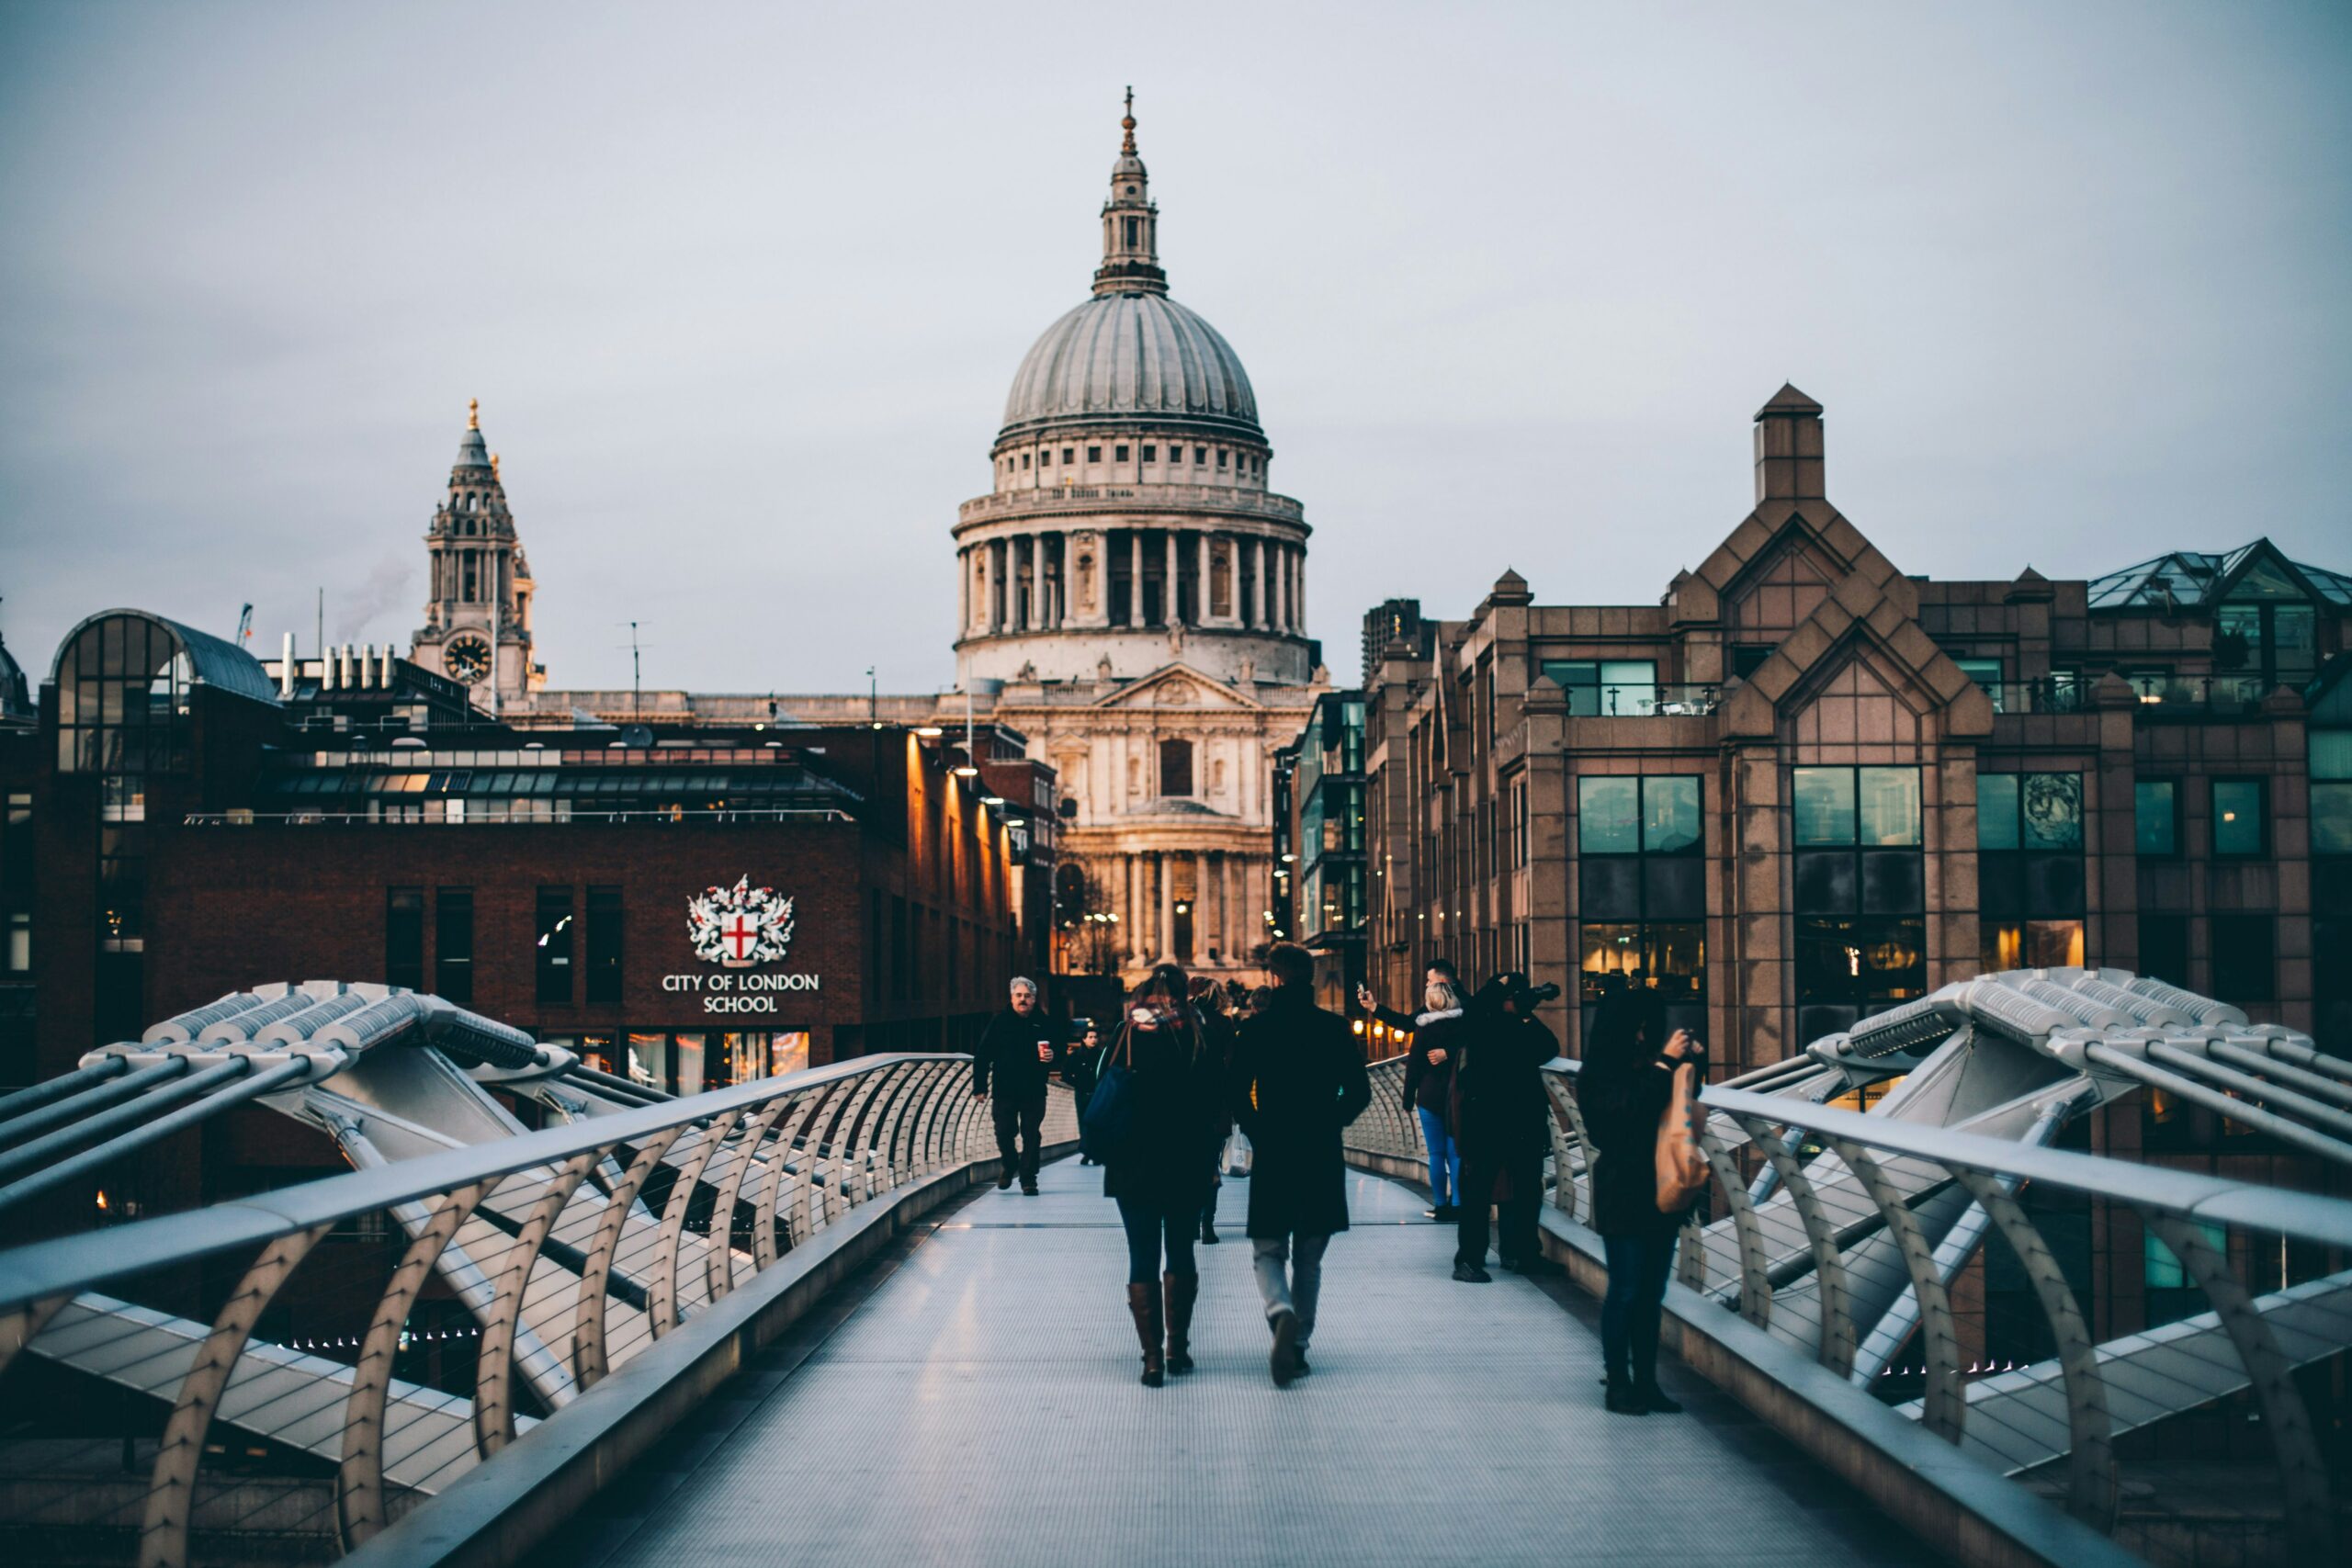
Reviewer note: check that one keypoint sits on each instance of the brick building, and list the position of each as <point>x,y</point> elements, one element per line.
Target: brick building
<point>1803,786</point>
<point>197,822</point>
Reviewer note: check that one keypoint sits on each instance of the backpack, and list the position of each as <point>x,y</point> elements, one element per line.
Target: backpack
<point>1681,1163</point>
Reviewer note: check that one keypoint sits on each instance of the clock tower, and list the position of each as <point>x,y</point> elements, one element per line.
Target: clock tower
<point>478,619</point>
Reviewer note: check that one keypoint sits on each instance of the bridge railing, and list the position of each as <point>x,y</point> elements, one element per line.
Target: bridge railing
<point>334,1354</point>
<point>1842,1234</point>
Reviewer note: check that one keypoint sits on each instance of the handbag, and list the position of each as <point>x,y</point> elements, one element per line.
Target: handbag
<point>1111,1113</point>
<point>1681,1163</point>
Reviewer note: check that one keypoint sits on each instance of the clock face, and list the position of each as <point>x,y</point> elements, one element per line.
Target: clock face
<point>467,659</point>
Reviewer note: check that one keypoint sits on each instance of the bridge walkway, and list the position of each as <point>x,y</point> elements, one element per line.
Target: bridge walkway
<point>972,1400</point>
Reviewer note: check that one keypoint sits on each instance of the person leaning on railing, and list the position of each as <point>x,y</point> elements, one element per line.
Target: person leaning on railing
<point>1624,1088</point>
<point>1502,1118</point>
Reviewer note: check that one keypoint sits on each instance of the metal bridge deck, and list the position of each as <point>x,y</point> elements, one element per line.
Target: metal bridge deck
<point>979,1406</point>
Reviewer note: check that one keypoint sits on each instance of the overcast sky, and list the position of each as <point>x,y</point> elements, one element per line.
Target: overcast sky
<point>742,289</point>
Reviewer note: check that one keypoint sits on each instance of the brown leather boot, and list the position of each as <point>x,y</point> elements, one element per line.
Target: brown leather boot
<point>1183,1291</point>
<point>1143,1306</point>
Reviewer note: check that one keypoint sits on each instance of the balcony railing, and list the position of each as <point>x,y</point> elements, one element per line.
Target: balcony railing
<point>1620,701</point>
<point>2051,694</point>
<point>2190,696</point>
<point>537,814</point>
<point>1131,498</point>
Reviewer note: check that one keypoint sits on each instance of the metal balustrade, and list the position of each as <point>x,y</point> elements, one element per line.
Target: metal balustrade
<point>307,1396</point>
<point>1838,1233</point>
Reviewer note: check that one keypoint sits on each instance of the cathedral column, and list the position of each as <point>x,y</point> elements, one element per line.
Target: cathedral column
<point>1130,907</point>
<point>1282,589</point>
<point>1203,596</point>
<point>964,591</point>
<point>1173,601</point>
<point>1135,577</point>
<point>1167,866</point>
<point>1298,588</point>
<point>1208,886</point>
<point>1258,617</point>
<point>1040,597</point>
<point>1227,936</point>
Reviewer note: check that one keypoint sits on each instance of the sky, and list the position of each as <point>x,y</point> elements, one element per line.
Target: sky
<point>741,288</point>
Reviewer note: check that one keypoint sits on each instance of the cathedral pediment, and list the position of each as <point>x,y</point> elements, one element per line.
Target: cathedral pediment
<point>1181,688</point>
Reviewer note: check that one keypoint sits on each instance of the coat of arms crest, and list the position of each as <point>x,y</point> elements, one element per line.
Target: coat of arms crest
<point>740,926</point>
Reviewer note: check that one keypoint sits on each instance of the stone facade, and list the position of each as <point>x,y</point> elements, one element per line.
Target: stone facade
<point>1804,786</point>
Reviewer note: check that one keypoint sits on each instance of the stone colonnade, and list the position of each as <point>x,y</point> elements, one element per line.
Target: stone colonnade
<point>1228,893</point>
<point>1021,583</point>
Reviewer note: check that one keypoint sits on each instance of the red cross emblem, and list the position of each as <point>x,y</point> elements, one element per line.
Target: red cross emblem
<point>739,931</point>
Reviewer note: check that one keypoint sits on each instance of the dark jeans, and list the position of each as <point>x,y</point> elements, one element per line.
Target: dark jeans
<point>1639,1265</point>
<point>1515,1236</point>
<point>1149,1227</point>
<point>1026,1116</point>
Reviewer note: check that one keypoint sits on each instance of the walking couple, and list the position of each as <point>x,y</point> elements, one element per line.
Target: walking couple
<point>1291,1076</point>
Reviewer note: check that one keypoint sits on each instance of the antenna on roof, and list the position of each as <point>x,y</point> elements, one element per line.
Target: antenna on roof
<point>636,673</point>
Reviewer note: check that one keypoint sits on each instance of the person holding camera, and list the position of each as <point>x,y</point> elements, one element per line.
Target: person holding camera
<point>1504,1124</point>
<point>1429,1089</point>
<point>1298,1080</point>
<point>1160,1173</point>
<point>1624,1088</point>
<point>1017,1054</point>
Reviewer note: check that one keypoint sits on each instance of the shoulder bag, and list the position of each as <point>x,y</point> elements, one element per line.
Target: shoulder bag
<point>1110,1126</point>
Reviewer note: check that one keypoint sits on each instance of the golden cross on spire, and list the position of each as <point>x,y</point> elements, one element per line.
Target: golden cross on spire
<point>473,413</point>
<point>1127,143</point>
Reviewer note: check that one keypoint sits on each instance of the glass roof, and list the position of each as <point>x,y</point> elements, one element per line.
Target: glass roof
<point>2187,578</point>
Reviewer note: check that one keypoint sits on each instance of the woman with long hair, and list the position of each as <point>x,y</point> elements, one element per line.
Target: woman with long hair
<point>1160,1174</point>
<point>1437,1029</point>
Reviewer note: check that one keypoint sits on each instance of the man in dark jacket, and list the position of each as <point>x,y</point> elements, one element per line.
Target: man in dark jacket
<point>1298,1080</point>
<point>1020,1050</point>
<point>1503,1119</point>
<point>1081,1065</point>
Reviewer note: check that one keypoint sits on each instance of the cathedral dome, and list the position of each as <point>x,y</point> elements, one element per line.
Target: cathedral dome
<point>1131,355</point>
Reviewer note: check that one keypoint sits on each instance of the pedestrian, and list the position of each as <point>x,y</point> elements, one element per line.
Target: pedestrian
<point>1017,1054</point>
<point>1438,969</point>
<point>1160,1174</point>
<point>1208,1000</point>
<point>1081,1066</point>
<point>1429,1089</point>
<point>1503,1122</point>
<point>1297,1080</point>
<point>1625,1085</point>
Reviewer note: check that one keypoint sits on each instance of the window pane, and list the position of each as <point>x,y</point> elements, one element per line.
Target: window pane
<point>2331,818</point>
<point>1609,816</point>
<point>1581,680</point>
<point>2242,967</point>
<point>1996,811</point>
<point>1889,803</point>
<point>2330,753</point>
<point>2052,811</point>
<point>1628,686</point>
<point>2154,824</point>
<point>1669,814</point>
<point>1609,948</point>
<point>2294,642</point>
<point>2237,817</point>
<point>1676,957</point>
<point>1986,672</point>
<point>1823,801</point>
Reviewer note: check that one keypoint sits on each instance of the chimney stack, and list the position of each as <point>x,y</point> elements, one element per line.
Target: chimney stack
<point>1788,449</point>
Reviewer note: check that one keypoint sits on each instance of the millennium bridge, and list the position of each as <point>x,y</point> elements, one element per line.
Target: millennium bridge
<point>553,1315</point>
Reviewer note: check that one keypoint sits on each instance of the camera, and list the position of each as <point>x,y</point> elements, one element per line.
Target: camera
<point>1529,998</point>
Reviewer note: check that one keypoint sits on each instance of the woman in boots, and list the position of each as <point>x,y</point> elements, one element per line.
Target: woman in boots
<point>1160,1173</point>
<point>1627,1081</point>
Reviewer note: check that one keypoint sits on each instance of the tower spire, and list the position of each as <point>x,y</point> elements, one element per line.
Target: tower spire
<point>1130,222</point>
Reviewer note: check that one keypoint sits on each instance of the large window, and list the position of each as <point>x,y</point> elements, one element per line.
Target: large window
<point>122,699</point>
<point>1860,878</point>
<point>1175,767</point>
<point>2240,829</point>
<point>2331,771</point>
<point>404,936</point>
<point>2163,949</point>
<point>554,957</point>
<point>1986,672</point>
<point>2029,871</point>
<point>1642,892</point>
<point>2266,630</point>
<point>1605,686</point>
<point>2155,818</point>
<point>453,944</point>
<point>2245,958</point>
<point>604,947</point>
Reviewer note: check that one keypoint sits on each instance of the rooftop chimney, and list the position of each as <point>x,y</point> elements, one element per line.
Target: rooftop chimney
<point>1788,449</point>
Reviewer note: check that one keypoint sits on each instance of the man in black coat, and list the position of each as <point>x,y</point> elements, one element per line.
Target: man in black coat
<point>1503,1122</point>
<point>1081,1065</point>
<point>1298,1080</point>
<point>1021,1047</point>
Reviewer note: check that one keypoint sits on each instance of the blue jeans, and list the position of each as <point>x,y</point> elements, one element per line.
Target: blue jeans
<point>1639,1265</point>
<point>1149,1227</point>
<point>1445,1160</point>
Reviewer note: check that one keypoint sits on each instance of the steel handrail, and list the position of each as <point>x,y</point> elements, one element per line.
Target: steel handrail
<point>43,1269</point>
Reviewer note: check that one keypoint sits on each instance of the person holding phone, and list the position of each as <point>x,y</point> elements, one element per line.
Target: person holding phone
<point>1625,1085</point>
<point>1159,1175</point>
<point>1018,1052</point>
